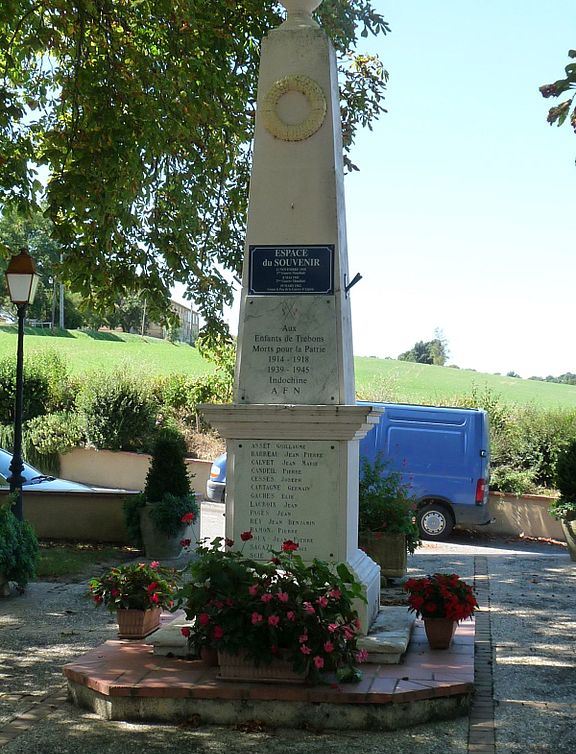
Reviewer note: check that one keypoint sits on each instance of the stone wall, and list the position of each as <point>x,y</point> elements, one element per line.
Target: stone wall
<point>526,515</point>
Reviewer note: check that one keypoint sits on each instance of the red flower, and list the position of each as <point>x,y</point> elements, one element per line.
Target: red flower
<point>203,619</point>
<point>289,546</point>
<point>185,542</point>
<point>98,598</point>
<point>187,518</point>
<point>229,542</point>
<point>256,618</point>
<point>276,561</point>
<point>328,647</point>
<point>151,587</point>
<point>114,592</point>
<point>154,598</point>
<point>185,631</point>
<point>319,662</point>
<point>154,564</point>
<point>273,620</point>
<point>305,649</point>
<point>291,615</point>
<point>218,632</point>
<point>246,536</point>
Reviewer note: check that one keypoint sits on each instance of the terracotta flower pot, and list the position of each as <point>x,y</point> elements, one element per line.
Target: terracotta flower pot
<point>241,668</point>
<point>439,632</point>
<point>136,624</point>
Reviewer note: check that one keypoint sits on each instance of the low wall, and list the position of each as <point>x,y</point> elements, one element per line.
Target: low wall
<point>86,516</point>
<point>127,471</point>
<point>526,515</point>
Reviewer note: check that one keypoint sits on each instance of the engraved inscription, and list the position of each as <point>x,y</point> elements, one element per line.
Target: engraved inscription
<point>287,490</point>
<point>289,356</point>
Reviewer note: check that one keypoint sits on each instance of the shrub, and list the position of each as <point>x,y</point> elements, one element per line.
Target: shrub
<point>167,472</point>
<point>565,506</point>
<point>18,547</point>
<point>385,503</point>
<point>513,481</point>
<point>134,586</point>
<point>36,393</point>
<point>117,412</point>
<point>45,437</point>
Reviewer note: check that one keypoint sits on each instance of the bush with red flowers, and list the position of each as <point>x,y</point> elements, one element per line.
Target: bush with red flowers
<point>442,595</point>
<point>134,586</point>
<point>285,607</point>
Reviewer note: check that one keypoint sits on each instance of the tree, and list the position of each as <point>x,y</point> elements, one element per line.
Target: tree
<point>559,113</point>
<point>143,113</point>
<point>431,352</point>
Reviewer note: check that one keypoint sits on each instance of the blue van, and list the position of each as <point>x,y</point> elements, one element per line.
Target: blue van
<point>443,454</point>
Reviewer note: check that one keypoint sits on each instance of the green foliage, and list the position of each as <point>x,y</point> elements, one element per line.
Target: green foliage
<point>132,507</point>
<point>117,411</point>
<point>134,586</point>
<point>167,472</point>
<point>146,140</point>
<point>513,481</point>
<point>431,352</point>
<point>36,390</point>
<point>283,607</point>
<point>386,504</point>
<point>167,513</point>
<point>18,547</point>
<point>48,436</point>
<point>566,109</point>
<point>565,506</point>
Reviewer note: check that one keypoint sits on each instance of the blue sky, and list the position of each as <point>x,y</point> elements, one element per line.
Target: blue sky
<point>462,216</point>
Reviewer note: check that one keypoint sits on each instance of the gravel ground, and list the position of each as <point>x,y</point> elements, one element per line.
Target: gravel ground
<point>534,638</point>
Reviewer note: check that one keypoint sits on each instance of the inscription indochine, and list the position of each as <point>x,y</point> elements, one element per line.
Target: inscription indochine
<point>291,359</point>
<point>278,480</point>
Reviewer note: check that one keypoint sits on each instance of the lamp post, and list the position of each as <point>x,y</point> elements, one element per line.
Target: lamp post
<point>22,282</point>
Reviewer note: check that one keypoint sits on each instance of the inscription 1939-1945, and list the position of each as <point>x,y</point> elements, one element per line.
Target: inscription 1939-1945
<point>291,270</point>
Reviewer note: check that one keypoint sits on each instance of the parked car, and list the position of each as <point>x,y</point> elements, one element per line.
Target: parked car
<point>442,453</point>
<point>36,480</point>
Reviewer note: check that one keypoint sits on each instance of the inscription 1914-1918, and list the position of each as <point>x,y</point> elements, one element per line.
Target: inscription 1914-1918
<point>291,270</point>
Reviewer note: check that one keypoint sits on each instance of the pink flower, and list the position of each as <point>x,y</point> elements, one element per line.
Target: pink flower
<point>273,620</point>
<point>256,618</point>
<point>328,647</point>
<point>266,598</point>
<point>303,638</point>
<point>335,594</point>
<point>309,608</point>
<point>333,627</point>
<point>185,631</point>
<point>203,619</point>
<point>218,632</point>
<point>361,655</point>
<point>305,649</point>
<point>291,615</point>
<point>282,596</point>
<point>187,518</point>
<point>253,590</point>
<point>318,662</point>
<point>348,635</point>
<point>322,601</point>
<point>154,564</point>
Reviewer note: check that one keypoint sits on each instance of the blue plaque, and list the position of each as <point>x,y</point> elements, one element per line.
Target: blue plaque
<point>290,270</point>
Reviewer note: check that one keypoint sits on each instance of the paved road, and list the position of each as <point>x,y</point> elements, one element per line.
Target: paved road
<point>532,622</point>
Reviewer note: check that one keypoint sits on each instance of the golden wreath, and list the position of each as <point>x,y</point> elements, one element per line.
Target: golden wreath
<point>294,131</point>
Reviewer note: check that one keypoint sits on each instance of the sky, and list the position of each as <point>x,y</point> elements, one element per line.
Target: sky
<point>462,214</point>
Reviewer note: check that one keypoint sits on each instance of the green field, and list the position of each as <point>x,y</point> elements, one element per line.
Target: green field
<point>376,379</point>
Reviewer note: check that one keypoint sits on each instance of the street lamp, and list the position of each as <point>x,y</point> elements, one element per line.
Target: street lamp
<point>22,282</point>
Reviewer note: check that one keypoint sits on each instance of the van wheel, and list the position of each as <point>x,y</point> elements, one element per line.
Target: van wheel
<point>434,521</point>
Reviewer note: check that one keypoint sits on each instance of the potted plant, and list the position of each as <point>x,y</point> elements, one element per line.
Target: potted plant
<point>165,516</point>
<point>564,507</point>
<point>18,549</point>
<point>138,593</point>
<point>441,600</point>
<point>283,619</point>
<point>387,524</point>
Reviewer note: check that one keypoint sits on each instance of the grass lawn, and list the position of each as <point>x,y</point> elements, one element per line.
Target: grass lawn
<point>406,382</point>
<point>376,379</point>
<point>78,561</point>
<point>92,351</point>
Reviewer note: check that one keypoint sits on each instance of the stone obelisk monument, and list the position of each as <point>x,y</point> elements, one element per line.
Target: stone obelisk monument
<point>292,433</point>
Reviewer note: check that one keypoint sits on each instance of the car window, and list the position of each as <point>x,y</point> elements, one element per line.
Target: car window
<point>3,481</point>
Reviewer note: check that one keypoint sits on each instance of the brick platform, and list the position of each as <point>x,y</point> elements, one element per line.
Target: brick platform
<point>123,680</point>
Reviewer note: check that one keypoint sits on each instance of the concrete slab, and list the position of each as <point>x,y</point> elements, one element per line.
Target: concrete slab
<point>389,635</point>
